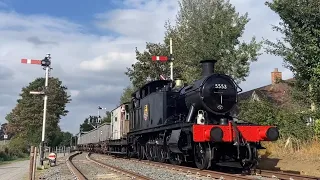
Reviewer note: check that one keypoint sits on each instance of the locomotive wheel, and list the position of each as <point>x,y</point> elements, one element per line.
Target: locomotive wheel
<point>140,151</point>
<point>148,151</point>
<point>161,154</point>
<point>175,158</point>
<point>253,162</point>
<point>201,155</point>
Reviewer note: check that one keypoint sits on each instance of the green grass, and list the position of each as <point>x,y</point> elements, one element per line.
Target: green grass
<point>14,160</point>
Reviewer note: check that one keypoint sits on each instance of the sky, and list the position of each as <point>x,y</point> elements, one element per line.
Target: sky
<point>92,42</point>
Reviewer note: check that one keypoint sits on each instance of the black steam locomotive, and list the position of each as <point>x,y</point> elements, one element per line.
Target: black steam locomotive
<point>193,123</point>
<point>170,122</point>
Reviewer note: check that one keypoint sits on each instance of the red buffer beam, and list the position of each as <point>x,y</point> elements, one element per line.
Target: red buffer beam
<point>30,61</point>
<point>160,58</point>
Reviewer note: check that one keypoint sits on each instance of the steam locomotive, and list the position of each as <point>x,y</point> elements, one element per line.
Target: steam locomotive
<point>167,121</point>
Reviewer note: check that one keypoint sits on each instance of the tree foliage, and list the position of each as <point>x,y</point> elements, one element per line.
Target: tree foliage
<point>62,139</point>
<point>205,29</point>
<point>89,123</point>
<point>107,118</point>
<point>126,95</point>
<point>210,29</point>
<point>25,120</point>
<point>291,123</point>
<point>300,47</point>
<point>144,68</point>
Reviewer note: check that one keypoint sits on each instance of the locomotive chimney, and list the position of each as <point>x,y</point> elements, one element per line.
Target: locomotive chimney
<point>207,67</point>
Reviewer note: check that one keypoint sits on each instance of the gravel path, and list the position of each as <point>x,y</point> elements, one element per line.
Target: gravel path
<point>14,170</point>
<point>59,172</point>
<point>146,170</point>
<point>93,171</point>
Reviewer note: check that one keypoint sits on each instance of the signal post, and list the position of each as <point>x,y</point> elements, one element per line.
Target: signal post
<point>46,62</point>
<point>165,59</point>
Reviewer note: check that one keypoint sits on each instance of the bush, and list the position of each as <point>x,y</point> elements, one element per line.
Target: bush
<point>291,123</point>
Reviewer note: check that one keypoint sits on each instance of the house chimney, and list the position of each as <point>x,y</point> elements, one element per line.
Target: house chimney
<point>276,76</point>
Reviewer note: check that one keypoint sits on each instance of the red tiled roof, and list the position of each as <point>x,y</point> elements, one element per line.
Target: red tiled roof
<point>277,93</point>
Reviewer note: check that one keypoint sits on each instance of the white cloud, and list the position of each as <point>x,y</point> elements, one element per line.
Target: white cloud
<point>145,19</point>
<point>74,93</point>
<point>114,61</point>
<point>93,66</point>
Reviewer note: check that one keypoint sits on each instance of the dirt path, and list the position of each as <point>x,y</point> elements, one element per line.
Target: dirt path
<point>14,171</point>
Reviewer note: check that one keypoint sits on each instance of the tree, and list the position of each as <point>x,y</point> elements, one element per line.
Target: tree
<point>25,120</point>
<point>210,29</point>
<point>145,68</point>
<point>300,47</point>
<point>107,118</point>
<point>89,123</point>
<point>126,95</point>
<point>65,139</point>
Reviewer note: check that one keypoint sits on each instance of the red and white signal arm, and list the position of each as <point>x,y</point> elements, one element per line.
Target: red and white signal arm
<point>52,156</point>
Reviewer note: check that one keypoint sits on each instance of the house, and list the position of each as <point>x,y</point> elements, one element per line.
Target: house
<point>278,93</point>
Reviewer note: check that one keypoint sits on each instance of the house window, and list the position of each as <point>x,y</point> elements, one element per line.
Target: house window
<point>127,116</point>
<point>115,118</point>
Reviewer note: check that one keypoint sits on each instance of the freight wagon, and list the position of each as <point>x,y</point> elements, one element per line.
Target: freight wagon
<point>109,138</point>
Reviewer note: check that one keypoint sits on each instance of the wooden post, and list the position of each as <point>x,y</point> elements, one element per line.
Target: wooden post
<point>34,163</point>
<point>31,162</point>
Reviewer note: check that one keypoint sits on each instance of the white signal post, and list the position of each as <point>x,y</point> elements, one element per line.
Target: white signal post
<point>171,60</point>
<point>99,118</point>
<point>46,62</point>
<point>164,59</point>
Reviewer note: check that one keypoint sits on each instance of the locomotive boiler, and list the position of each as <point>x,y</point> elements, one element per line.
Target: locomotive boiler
<point>192,123</point>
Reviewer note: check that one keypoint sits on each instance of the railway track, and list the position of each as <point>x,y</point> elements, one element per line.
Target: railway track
<point>191,173</point>
<point>259,174</point>
<point>285,176</point>
<point>76,173</point>
<point>102,170</point>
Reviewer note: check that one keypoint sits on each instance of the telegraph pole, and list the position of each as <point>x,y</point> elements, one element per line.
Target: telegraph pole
<point>46,62</point>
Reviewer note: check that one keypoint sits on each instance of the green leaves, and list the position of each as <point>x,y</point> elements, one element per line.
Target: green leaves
<point>146,68</point>
<point>126,95</point>
<point>210,29</point>
<point>291,123</point>
<point>25,120</point>
<point>205,29</point>
<point>300,47</point>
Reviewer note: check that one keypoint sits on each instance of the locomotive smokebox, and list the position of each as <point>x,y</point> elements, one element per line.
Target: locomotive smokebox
<point>207,67</point>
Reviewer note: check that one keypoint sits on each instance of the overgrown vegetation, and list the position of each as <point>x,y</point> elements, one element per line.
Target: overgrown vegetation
<point>298,125</point>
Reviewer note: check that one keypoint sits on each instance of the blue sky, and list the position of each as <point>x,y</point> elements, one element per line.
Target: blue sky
<point>92,43</point>
<point>82,13</point>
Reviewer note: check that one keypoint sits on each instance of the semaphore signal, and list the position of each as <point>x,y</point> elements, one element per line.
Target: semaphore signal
<point>165,59</point>
<point>46,62</point>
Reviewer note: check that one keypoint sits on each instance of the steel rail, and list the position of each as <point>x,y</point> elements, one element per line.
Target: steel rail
<point>118,169</point>
<point>78,175</point>
<point>285,176</point>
